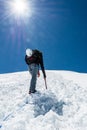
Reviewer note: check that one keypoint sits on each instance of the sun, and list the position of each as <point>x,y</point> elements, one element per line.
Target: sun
<point>19,8</point>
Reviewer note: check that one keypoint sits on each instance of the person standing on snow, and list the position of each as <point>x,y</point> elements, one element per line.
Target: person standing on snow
<point>34,59</point>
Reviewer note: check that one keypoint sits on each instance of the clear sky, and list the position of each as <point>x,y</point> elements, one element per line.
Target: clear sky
<point>56,27</point>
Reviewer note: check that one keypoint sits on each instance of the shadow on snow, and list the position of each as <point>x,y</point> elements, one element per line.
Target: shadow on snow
<point>43,103</point>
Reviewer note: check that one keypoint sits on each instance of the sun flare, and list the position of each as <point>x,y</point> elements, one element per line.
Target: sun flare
<point>19,8</point>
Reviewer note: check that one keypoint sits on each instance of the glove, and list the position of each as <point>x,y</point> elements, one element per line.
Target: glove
<point>38,74</point>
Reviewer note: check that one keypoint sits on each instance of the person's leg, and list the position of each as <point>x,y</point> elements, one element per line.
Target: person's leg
<point>33,71</point>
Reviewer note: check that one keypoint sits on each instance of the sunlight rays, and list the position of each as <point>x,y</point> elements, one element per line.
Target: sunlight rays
<point>18,9</point>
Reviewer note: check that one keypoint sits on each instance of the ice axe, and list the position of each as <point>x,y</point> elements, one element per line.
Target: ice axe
<point>45,83</point>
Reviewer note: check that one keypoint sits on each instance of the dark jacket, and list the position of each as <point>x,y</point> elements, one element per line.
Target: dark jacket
<point>36,58</point>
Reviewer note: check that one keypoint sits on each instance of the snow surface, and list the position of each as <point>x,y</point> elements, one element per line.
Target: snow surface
<point>63,106</point>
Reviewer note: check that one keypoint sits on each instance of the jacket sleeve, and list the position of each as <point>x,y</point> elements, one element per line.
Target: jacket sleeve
<point>26,60</point>
<point>42,65</point>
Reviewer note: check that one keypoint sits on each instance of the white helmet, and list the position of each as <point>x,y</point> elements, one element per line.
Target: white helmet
<point>29,52</point>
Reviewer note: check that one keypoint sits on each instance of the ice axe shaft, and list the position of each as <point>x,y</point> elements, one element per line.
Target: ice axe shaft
<point>45,83</point>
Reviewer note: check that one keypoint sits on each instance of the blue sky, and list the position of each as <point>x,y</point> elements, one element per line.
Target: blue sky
<point>56,27</point>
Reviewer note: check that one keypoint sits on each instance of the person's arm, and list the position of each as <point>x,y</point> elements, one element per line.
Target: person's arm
<point>26,60</point>
<point>42,66</point>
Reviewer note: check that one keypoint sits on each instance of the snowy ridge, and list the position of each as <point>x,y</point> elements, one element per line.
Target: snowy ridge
<point>62,107</point>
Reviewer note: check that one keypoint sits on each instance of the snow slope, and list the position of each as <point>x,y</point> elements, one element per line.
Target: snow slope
<point>62,107</point>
